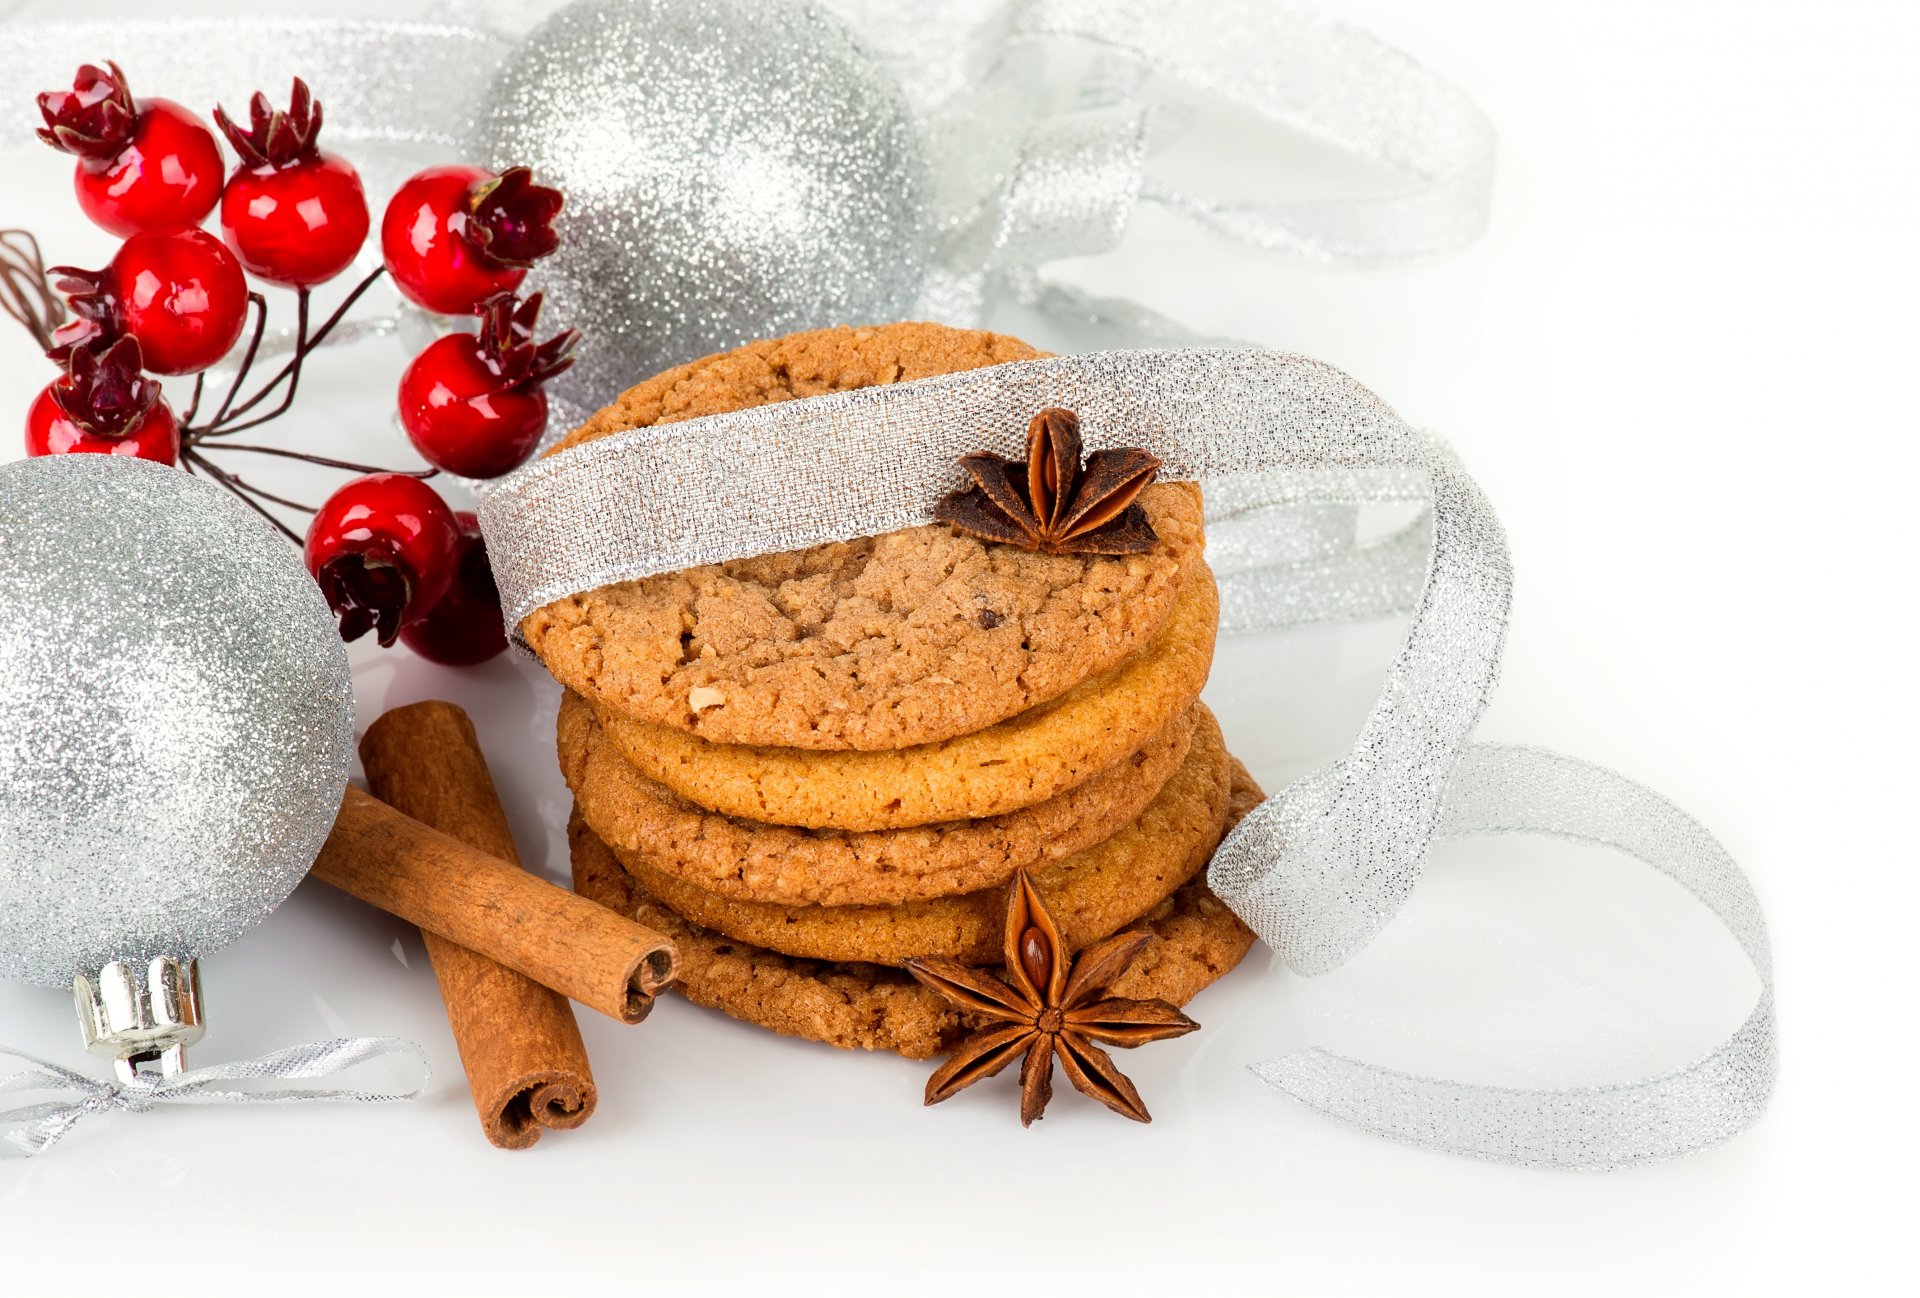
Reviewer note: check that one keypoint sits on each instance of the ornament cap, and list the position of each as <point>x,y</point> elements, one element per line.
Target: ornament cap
<point>134,1016</point>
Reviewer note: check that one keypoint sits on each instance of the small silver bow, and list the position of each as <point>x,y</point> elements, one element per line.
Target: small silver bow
<point>29,1129</point>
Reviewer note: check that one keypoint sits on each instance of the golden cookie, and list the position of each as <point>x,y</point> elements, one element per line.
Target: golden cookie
<point>880,643</point>
<point>1091,893</point>
<point>873,1007</point>
<point>1022,761</point>
<point>745,860</point>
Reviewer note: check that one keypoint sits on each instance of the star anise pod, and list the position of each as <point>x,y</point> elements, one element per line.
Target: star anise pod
<point>1050,501</point>
<point>1048,1008</point>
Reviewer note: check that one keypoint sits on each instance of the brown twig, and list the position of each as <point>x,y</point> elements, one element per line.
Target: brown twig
<point>289,374</point>
<point>243,494</point>
<point>259,305</point>
<point>193,405</point>
<point>327,461</point>
<point>304,344</point>
<point>25,292</point>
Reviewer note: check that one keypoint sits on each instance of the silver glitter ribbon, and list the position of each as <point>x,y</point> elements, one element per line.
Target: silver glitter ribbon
<point>407,89</point>
<point>1030,161</point>
<point>1286,446</point>
<point>1501,789</point>
<point>29,1129</point>
<point>1028,168</point>
<point>382,81</point>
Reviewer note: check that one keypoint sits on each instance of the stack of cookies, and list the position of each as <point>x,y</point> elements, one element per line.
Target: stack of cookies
<point>810,768</point>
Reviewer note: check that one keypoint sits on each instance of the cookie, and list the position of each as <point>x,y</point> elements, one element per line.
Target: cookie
<point>1022,761</point>
<point>746,860</point>
<point>1092,893</point>
<point>873,1007</point>
<point>880,643</point>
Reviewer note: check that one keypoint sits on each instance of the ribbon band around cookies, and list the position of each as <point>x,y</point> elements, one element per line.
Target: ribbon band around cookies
<point>1286,447</point>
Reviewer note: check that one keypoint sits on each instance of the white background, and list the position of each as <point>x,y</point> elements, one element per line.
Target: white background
<point>1675,364</point>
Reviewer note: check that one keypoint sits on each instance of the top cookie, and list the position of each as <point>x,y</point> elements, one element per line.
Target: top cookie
<point>880,643</point>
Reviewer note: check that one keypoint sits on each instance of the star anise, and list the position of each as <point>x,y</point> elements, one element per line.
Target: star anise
<point>1047,1009</point>
<point>1050,501</point>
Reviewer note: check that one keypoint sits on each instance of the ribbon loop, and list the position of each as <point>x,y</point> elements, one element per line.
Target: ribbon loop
<point>1024,176</point>
<point>1502,789</point>
<point>1074,187</point>
<point>1324,79</point>
<point>1318,880</point>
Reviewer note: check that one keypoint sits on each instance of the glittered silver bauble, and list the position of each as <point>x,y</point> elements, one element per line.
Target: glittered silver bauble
<point>733,169</point>
<point>176,717</point>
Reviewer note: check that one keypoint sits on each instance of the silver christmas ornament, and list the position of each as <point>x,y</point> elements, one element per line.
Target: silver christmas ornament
<point>733,169</point>
<point>176,721</point>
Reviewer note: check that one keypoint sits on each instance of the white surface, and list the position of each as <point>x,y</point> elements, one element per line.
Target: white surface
<point>1672,365</point>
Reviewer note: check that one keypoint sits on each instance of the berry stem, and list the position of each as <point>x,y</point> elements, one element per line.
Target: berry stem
<point>193,403</point>
<point>256,490</point>
<point>304,344</point>
<point>241,492</point>
<point>346,304</point>
<point>26,294</point>
<point>327,461</point>
<point>233,414</point>
<point>259,305</point>
<point>289,374</point>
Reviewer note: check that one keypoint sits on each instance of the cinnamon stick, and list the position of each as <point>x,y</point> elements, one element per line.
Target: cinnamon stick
<point>583,951</point>
<point>518,1041</point>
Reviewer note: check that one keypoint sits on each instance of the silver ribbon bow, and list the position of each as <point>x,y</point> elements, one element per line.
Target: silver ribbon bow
<point>1287,446</point>
<point>33,1128</point>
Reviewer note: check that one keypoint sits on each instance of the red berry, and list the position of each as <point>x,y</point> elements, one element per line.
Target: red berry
<point>423,241</point>
<point>105,405</point>
<point>143,163</point>
<point>476,406</point>
<point>296,216</point>
<point>382,549</point>
<point>466,626</point>
<point>178,290</point>
<point>298,225</point>
<point>455,236</point>
<point>169,174</point>
<point>461,417</point>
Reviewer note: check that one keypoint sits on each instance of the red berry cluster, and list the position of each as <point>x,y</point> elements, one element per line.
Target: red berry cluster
<point>386,549</point>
